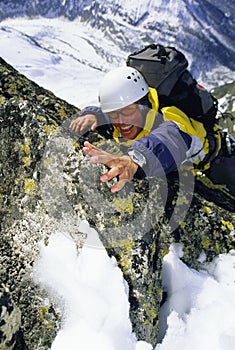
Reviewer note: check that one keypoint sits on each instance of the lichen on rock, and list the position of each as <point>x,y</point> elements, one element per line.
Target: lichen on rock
<point>28,113</point>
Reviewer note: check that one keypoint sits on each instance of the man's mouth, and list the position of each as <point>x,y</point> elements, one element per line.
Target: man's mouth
<point>126,129</point>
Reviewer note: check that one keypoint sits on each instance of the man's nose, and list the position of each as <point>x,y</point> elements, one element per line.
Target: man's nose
<point>121,118</point>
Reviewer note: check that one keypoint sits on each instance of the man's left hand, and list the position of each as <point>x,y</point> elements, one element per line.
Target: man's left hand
<point>123,167</point>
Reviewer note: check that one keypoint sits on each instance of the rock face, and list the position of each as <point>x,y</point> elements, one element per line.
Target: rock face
<point>10,318</point>
<point>28,115</point>
<point>45,183</point>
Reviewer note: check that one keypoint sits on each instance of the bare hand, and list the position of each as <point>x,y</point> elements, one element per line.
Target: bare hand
<point>123,167</point>
<point>84,123</point>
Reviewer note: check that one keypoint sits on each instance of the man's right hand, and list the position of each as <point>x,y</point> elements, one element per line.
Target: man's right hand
<point>84,123</point>
<point>122,167</point>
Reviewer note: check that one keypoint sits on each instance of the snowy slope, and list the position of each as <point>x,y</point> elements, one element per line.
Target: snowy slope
<point>68,58</point>
<point>204,30</point>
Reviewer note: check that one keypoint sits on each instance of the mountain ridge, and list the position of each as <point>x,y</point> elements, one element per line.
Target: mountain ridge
<point>202,29</point>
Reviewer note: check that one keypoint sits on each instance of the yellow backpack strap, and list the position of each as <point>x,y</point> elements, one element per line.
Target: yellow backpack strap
<point>153,98</point>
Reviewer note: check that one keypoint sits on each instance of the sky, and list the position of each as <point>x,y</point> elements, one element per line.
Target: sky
<point>88,286</point>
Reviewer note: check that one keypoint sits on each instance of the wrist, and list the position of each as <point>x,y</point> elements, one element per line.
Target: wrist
<point>137,157</point>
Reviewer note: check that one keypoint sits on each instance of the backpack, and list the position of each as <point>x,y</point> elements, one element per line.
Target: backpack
<point>165,68</point>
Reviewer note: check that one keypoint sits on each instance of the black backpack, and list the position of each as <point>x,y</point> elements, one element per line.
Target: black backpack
<point>165,68</point>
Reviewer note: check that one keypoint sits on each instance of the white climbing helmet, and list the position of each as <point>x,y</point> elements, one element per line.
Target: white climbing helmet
<point>120,88</point>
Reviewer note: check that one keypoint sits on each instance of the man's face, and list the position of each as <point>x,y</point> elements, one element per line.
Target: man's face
<point>128,120</point>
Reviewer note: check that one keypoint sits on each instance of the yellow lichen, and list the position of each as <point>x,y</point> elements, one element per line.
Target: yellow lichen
<point>181,200</point>
<point>227,224</point>
<point>186,250</point>
<point>153,251</point>
<point>42,312</point>
<point>125,254</point>
<point>29,185</point>
<point>182,224</point>
<point>25,147</point>
<point>2,99</point>
<point>12,90</point>
<point>43,315</point>
<point>205,242</point>
<point>41,118</point>
<point>123,205</point>
<point>206,209</point>
<point>151,311</point>
<point>75,144</point>
<point>50,325</point>
<point>62,112</point>
<point>50,129</point>
<point>26,161</point>
<point>126,263</point>
<point>218,248</point>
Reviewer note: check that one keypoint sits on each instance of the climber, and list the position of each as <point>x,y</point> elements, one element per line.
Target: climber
<point>156,141</point>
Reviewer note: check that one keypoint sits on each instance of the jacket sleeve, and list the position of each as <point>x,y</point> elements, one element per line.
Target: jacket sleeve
<point>164,149</point>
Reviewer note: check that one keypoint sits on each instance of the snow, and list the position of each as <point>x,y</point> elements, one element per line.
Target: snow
<point>94,296</point>
<point>65,57</point>
<point>199,304</point>
<point>88,286</point>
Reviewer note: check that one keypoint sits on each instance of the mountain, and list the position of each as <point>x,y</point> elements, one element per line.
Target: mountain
<point>226,96</point>
<point>203,29</point>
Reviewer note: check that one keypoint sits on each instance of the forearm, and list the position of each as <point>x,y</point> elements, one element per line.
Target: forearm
<point>164,150</point>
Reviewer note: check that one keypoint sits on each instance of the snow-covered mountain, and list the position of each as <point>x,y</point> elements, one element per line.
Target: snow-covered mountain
<point>203,29</point>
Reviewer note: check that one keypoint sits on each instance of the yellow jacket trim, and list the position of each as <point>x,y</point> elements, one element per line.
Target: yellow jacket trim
<point>191,127</point>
